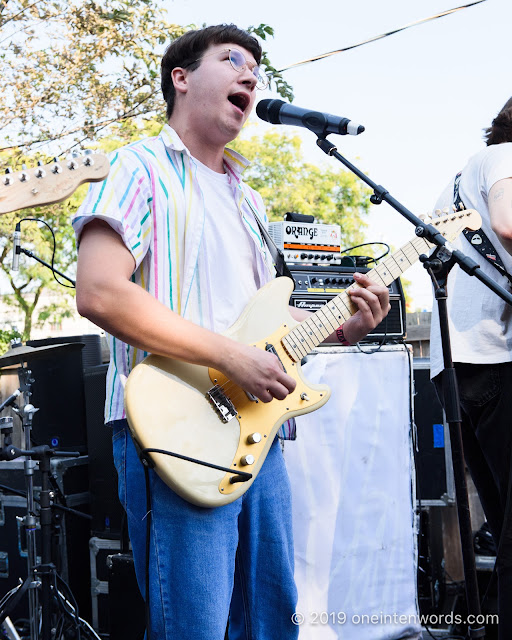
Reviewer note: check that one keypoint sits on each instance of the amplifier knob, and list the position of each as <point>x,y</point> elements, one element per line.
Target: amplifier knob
<point>327,280</point>
<point>303,256</point>
<point>247,460</point>
<point>313,280</point>
<point>329,257</point>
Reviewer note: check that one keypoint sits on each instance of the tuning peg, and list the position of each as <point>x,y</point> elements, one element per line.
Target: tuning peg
<point>88,161</point>
<point>24,176</point>
<point>40,172</point>
<point>73,162</point>
<point>8,177</point>
<point>56,167</point>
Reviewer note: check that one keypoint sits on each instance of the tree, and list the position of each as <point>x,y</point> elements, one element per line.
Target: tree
<point>102,67</point>
<point>288,183</point>
<point>75,73</point>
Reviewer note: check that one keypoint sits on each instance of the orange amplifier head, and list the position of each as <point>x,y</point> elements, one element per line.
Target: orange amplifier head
<point>306,243</point>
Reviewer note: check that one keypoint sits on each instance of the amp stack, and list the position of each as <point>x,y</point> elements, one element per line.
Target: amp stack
<point>313,254</point>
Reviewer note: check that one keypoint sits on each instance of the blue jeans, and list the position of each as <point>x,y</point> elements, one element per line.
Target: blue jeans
<point>207,564</point>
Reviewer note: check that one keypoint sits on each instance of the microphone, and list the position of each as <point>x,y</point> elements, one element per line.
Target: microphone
<point>16,248</point>
<point>279,112</point>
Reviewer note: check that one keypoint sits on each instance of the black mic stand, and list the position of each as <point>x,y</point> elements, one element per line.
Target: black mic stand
<point>40,574</point>
<point>438,270</point>
<point>446,251</point>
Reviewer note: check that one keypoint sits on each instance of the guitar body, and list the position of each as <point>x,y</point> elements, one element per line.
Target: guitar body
<point>167,407</point>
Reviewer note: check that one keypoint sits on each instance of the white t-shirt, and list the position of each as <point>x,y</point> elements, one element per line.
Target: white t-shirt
<point>480,321</point>
<point>226,245</point>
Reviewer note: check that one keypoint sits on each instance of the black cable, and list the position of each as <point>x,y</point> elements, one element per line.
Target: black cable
<point>74,615</point>
<point>14,492</point>
<point>369,352</point>
<point>68,286</point>
<point>368,258</point>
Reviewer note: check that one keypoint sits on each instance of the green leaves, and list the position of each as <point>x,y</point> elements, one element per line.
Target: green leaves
<point>283,88</point>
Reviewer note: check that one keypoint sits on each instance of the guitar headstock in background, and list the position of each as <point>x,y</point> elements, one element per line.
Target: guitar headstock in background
<point>50,183</point>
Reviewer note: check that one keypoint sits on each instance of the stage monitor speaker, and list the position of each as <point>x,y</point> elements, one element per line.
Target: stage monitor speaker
<point>58,392</point>
<point>106,510</point>
<point>434,474</point>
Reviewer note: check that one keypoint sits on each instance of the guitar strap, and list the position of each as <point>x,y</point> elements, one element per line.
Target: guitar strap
<point>479,239</point>
<point>276,253</point>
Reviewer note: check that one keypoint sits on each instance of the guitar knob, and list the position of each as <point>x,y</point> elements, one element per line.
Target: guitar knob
<point>247,460</point>
<point>254,438</point>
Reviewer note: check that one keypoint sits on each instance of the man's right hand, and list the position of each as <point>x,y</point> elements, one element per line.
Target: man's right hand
<point>257,372</point>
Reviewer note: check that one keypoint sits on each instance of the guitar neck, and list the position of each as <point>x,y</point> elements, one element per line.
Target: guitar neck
<point>308,334</point>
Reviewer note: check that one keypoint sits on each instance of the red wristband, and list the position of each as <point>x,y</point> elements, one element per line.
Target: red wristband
<point>341,337</point>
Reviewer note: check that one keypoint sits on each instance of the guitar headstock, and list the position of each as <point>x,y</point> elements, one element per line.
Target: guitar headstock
<point>450,224</point>
<point>50,183</point>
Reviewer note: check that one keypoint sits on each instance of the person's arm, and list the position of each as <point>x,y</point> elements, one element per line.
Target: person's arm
<point>372,301</point>
<point>500,211</point>
<point>107,296</point>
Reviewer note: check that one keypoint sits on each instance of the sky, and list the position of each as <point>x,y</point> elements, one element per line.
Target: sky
<point>424,95</point>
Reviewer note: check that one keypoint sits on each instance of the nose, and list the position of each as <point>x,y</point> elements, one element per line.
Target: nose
<point>248,77</point>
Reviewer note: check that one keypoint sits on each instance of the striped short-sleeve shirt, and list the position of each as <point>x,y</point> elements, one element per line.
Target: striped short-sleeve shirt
<point>153,200</point>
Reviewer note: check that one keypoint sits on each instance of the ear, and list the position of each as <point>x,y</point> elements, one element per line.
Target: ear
<point>180,79</point>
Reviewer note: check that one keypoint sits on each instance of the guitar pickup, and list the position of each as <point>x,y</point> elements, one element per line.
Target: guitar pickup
<point>221,403</point>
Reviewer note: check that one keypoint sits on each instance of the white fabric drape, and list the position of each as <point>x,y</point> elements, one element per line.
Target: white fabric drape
<point>351,472</point>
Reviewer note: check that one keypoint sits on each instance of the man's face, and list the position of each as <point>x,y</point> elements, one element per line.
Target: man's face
<point>219,99</point>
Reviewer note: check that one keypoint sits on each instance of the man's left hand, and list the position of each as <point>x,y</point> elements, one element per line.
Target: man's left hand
<point>372,301</point>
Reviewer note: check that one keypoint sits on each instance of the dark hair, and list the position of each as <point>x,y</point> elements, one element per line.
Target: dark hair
<point>501,127</point>
<point>187,50</point>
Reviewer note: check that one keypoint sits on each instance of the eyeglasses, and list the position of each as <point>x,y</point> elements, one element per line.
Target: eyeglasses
<point>239,63</point>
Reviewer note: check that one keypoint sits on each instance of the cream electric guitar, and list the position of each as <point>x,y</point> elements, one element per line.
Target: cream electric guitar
<point>199,414</point>
<point>50,183</point>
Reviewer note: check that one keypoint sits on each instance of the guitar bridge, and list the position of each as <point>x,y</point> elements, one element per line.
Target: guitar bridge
<point>221,403</point>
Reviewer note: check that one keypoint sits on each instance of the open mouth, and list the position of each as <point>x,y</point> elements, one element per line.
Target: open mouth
<point>240,100</point>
